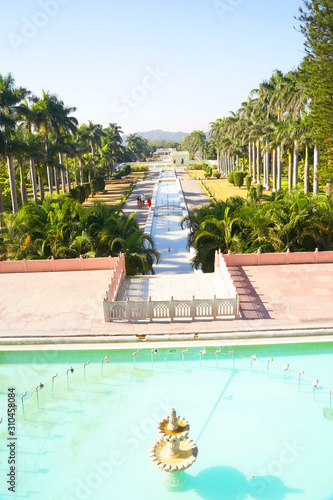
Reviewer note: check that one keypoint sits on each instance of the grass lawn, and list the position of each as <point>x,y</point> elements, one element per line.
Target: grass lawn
<point>113,193</point>
<point>221,189</point>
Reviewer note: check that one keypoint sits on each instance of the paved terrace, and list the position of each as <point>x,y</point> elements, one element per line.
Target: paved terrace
<point>276,300</point>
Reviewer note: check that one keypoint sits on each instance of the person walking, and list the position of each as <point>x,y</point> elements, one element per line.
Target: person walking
<point>149,202</point>
<point>143,198</point>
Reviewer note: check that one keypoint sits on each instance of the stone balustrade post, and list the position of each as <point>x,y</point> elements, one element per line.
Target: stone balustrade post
<point>172,309</point>
<point>237,306</point>
<point>107,311</point>
<point>193,308</point>
<point>150,312</point>
<point>128,310</point>
<point>214,307</point>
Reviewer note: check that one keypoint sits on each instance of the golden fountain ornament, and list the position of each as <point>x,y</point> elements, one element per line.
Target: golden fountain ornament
<point>173,452</point>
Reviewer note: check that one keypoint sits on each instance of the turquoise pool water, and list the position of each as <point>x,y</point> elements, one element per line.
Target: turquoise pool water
<point>259,435</point>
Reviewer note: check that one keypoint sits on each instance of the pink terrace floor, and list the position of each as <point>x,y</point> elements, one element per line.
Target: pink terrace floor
<point>69,304</point>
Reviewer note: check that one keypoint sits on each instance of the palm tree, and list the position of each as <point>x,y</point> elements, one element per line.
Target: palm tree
<point>52,120</point>
<point>94,134</point>
<point>10,98</point>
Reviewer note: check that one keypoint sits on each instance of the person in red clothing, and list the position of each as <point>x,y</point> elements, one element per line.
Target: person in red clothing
<point>149,202</point>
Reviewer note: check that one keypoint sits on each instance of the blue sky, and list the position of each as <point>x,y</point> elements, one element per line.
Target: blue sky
<point>148,64</point>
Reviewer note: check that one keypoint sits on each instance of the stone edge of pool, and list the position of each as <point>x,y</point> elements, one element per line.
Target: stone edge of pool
<point>150,341</point>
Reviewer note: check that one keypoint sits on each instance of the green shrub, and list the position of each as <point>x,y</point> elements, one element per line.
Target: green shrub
<point>100,182</point>
<point>93,186</point>
<point>206,174</point>
<point>238,179</point>
<point>231,179</point>
<point>126,170</point>
<point>253,193</point>
<point>87,189</point>
<point>259,189</point>
<point>74,193</point>
<point>217,175</point>
<point>140,168</point>
<point>248,182</point>
<point>81,194</point>
<point>6,195</point>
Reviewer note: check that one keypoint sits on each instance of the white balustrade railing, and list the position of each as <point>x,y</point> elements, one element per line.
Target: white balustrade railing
<point>221,269</point>
<point>171,309</point>
<point>118,276</point>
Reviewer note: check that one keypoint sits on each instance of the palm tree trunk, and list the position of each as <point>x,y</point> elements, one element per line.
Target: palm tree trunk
<point>279,167</point>
<point>258,162</point>
<point>11,174</point>
<point>23,186</point>
<point>267,158</point>
<point>316,159</point>
<point>68,174</point>
<point>41,184</point>
<point>63,180</point>
<point>56,179</point>
<point>81,172</point>
<point>306,170</point>
<point>295,174</point>
<point>290,171</point>
<point>254,178</point>
<point>1,204</point>
<point>49,179</point>
<point>250,166</point>
<point>218,159</point>
<point>76,179</point>
<point>274,170</point>
<point>33,179</point>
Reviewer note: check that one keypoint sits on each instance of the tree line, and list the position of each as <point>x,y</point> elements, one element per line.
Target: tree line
<point>286,123</point>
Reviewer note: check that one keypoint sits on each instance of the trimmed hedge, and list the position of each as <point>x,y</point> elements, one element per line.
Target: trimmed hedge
<point>231,178</point>
<point>259,189</point>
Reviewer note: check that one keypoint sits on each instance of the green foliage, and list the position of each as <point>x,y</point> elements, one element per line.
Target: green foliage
<point>253,193</point>
<point>123,172</point>
<point>317,26</point>
<point>238,178</point>
<point>62,228</point>
<point>194,142</point>
<point>231,179</point>
<point>292,221</point>
<point>248,182</point>
<point>93,186</point>
<point>100,183</point>
<point>208,171</point>
<point>140,168</point>
<point>259,188</point>
<point>6,196</point>
<point>87,189</point>
<point>217,175</point>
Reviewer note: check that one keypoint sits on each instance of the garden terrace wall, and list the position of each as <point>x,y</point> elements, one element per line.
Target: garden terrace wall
<point>266,259</point>
<point>54,265</point>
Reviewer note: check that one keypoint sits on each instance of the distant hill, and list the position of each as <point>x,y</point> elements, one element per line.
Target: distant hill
<point>157,135</point>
